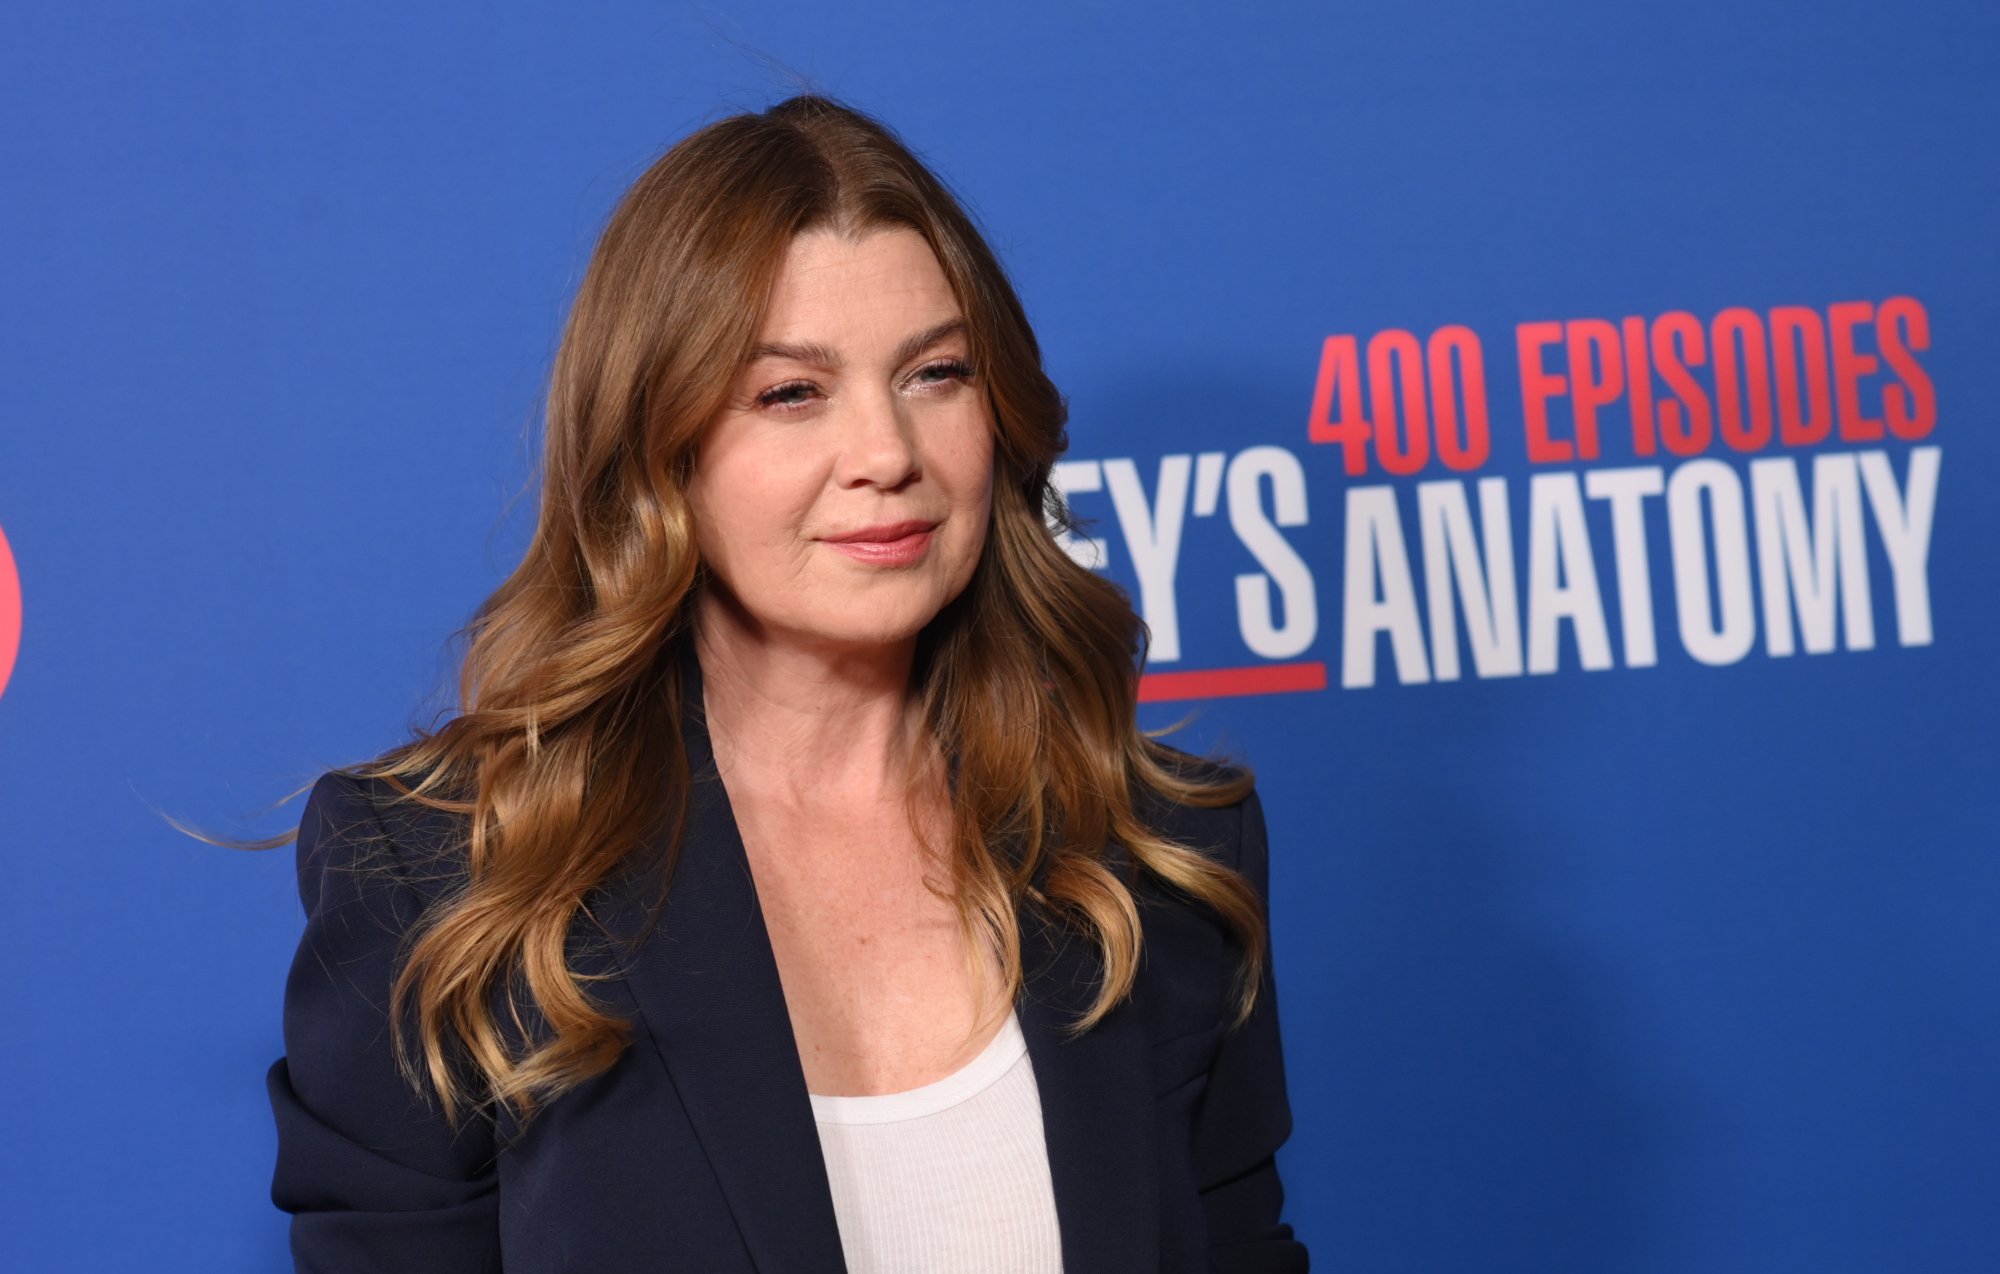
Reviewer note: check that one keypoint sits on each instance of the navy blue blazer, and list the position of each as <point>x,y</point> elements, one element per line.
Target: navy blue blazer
<point>697,1149</point>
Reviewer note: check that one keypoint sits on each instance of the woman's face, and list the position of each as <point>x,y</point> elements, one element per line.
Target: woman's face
<point>841,495</point>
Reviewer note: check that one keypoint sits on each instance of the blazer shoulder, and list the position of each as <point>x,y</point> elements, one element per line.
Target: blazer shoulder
<point>1198,767</point>
<point>1216,830</point>
<point>363,826</point>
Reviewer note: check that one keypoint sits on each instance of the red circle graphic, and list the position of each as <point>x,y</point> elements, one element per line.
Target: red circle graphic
<point>10,612</point>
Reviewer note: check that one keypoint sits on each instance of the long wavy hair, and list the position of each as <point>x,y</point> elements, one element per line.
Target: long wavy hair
<point>568,703</point>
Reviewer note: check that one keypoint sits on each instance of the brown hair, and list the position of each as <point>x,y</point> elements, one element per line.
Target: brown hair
<point>568,703</point>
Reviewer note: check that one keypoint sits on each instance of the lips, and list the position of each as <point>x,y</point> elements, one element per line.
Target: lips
<point>883,533</point>
<point>884,544</point>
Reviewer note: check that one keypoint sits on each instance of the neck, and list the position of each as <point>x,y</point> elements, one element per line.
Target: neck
<point>807,722</point>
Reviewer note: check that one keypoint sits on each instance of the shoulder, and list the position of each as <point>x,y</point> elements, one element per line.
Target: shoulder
<point>357,1143</point>
<point>361,840</point>
<point>1219,831</point>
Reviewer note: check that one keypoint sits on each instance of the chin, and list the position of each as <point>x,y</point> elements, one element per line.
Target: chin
<point>872,621</point>
<point>876,630</point>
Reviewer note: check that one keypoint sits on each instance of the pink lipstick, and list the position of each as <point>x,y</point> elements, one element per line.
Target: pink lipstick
<point>887,544</point>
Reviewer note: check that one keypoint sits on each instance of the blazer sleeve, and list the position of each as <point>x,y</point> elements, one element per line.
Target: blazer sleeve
<point>1245,1115</point>
<point>373,1176</point>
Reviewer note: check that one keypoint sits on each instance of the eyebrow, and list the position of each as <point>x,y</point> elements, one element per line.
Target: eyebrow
<point>817,355</point>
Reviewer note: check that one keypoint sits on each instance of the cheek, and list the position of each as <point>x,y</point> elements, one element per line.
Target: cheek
<point>963,464</point>
<point>747,511</point>
<point>965,471</point>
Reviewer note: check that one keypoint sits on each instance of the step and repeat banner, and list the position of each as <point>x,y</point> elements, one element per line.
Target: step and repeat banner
<point>1553,444</point>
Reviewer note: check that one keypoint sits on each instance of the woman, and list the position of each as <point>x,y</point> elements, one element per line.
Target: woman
<point>775,901</point>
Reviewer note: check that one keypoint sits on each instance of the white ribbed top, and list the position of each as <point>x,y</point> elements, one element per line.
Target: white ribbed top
<point>950,1176</point>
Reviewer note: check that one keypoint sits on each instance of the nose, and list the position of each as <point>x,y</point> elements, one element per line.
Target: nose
<point>878,445</point>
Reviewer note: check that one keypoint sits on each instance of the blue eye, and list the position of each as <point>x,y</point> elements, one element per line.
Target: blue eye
<point>776,396</point>
<point>950,367</point>
<point>792,396</point>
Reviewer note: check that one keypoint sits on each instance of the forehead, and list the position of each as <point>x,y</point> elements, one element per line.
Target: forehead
<point>879,285</point>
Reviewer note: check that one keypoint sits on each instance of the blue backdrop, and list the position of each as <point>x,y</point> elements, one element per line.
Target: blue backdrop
<point>1632,805</point>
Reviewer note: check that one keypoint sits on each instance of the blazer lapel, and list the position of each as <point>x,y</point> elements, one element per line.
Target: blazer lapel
<point>1097,1108</point>
<point>705,982</point>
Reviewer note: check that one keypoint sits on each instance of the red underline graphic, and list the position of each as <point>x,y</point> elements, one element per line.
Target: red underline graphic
<point>1216,683</point>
